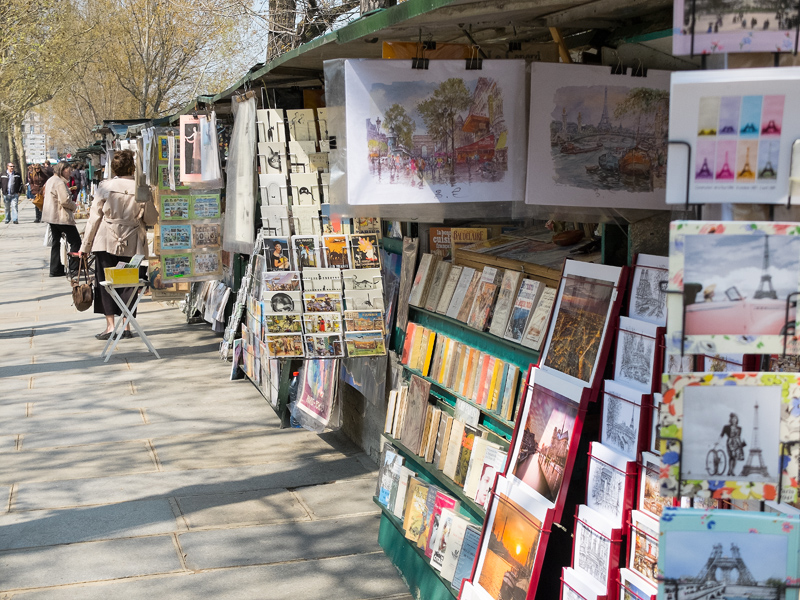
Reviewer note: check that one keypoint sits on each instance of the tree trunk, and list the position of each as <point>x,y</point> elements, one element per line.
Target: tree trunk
<point>20,147</point>
<point>10,138</point>
<point>281,27</point>
<point>4,149</point>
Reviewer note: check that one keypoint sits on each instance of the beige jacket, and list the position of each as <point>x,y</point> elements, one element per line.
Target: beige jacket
<point>58,207</point>
<point>117,222</point>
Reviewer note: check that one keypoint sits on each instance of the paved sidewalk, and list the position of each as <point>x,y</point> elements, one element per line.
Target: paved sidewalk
<point>141,479</point>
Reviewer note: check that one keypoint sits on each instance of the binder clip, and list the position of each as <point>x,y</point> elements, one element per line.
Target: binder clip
<point>474,62</point>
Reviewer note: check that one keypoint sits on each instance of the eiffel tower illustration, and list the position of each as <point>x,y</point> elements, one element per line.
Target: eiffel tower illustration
<point>747,172</point>
<point>705,172</point>
<point>765,289</point>
<point>768,172</point>
<point>754,455</point>
<point>725,172</point>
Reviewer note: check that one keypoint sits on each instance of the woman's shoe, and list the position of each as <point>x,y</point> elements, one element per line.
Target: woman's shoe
<point>126,335</point>
<point>103,336</point>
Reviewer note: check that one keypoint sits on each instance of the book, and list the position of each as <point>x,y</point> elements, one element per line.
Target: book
<point>480,312</point>
<point>398,411</point>
<point>466,236</point>
<point>426,363</point>
<point>459,350</point>
<point>505,302</point>
<point>528,296</point>
<point>510,393</point>
<point>469,297</point>
<point>464,281</point>
<point>458,380</point>
<point>467,443</point>
<point>402,487</point>
<point>407,343</point>
<point>453,449</point>
<point>474,470</point>
<point>387,426</point>
<point>426,431</point>
<point>437,526</point>
<point>430,503</point>
<point>437,357</point>
<point>433,435</point>
<point>416,508</point>
<point>416,346</point>
<point>477,390</point>
<point>442,438</point>
<point>466,558</point>
<point>449,289</point>
<point>421,280</point>
<point>389,474</point>
<point>494,461</point>
<point>422,349</point>
<point>440,276</point>
<point>501,368</point>
<point>416,412</point>
<point>445,557</point>
<point>445,359</point>
<point>440,242</point>
<point>536,330</point>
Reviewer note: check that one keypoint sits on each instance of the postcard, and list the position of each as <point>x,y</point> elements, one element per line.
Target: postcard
<point>280,281</point>
<point>163,177</point>
<point>176,237</point>
<point>322,322</point>
<point>634,587</point>
<point>206,235</point>
<point>285,345</point>
<point>274,191</point>
<point>322,301</point>
<point>607,484</point>
<point>270,124</point>
<point>282,302</point>
<point>306,220</point>
<point>362,279</point>
<point>283,323</point>
<point>317,390</point>
<point>326,345</point>
<point>305,189</point>
<point>592,547</point>
<point>175,208</point>
<point>650,500</point>
<point>299,152</point>
<point>206,263</point>
<point>337,254</point>
<point>635,354</point>
<point>364,300</point>
<point>365,343</point>
<point>302,124</point>
<point>365,251</point>
<point>322,280</point>
<point>363,320</point>
<point>272,158</point>
<point>190,143</point>
<point>278,254</point>
<point>174,266</point>
<point>735,277</point>
<point>649,289</point>
<point>576,586</point>
<point>622,413</point>
<point>643,557</point>
<point>306,251</point>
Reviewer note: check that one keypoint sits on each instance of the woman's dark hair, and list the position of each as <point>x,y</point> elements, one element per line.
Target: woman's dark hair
<point>123,165</point>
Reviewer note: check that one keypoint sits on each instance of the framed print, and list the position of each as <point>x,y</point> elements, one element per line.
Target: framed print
<point>362,279</point>
<point>282,302</point>
<point>585,306</point>
<point>741,129</point>
<point>365,343</point>
<point>650,500</point>
<point>322,280</point>
<point>191,149</point>
<point>512,542</point>
<point>735,277</point>
<point>206,263</point>
<point>273,188</point>
<point>324,345</point>
<point>546,438</point>
<point>285,345</point>
<point>636,356</point>
<point>317,391</point>
<point>721,433</point>
<point>205,206</point>
<point>414,137</point>
<point>596,546</point>
<point>365,251</point>
<point>280,281</point>
<point>363,320</point>
<point>278,254</point>
<point>283,323</point>
<point>174,208</point>
<point>586,141</point>
<point>648,296</point>
<point>206,235</point>
<point>322,302</point>
<point>643,546</point>
<point>176,266</point>
<point>609,487</point>
<point>176,237</point>
<point>306,251</point>
<point>623,416</point>
<point>336,251</point>
<point>757,551</point>
<point>322,322</point>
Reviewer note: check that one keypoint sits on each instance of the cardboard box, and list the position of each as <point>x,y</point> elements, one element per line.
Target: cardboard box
<point>122,276</point>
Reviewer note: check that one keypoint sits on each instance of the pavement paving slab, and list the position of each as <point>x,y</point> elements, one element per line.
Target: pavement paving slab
<point>258,507</point>
<point>350,497</point>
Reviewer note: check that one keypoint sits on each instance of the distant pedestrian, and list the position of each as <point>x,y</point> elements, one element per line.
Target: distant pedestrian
<point>36,182</point>
<point>48,169</point>
<point>59,212</point>
<point>116,231</point>
<point>11,185</point>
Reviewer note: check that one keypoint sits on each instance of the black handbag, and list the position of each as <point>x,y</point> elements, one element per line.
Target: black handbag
<point>82,293</point>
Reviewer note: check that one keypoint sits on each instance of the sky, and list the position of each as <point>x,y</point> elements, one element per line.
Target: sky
<point>736,260</point>
<point>687,552</point>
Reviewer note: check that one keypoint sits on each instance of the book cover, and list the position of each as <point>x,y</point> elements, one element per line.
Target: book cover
<point>480,378</point>
<point>472,477</point>
<point>469,298</point>
<point>440,276</point>
<point>398,412</point>
<point>494,461</point>
<point>387,425</point>
<point>473,373</point>
<point>440,242</point>
<point>426,365</point>
<point>505,302</point>
<point>536,330</point>
<point>467,443</point>
<point>452,364</point>
<point>490,275</point>
<point>426,430</point>
<point>487,382</point>
<point>437,357</point>
<point>437,526</point>
<point>497,392</point>
<point>416,345</point>
<point>420,280</point>
<point>446,356</point>
<point>433,436</point>
<point>442,441</point>
<point>464,281</point>
<point>497,369</point>
<point>464,374</point>
<point>423,350</point>
<point>529,292</point>
<point>416,412</point>
<point>389,475</point>
<point>449,289</point>
<point>453,449</point>
<point>437,443</point>
<point>509,393</point>
<point>399,507</point>
<point>428,281</point>
<point>445,558</point>
<point>466,558</point>
<point>416,508</point>
<point>458,380</point>
<point>465,236</point>
<point>482,306</point>
<point>430,502</point>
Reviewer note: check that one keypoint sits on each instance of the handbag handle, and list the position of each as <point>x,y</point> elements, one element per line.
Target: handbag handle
<point>83,267</point>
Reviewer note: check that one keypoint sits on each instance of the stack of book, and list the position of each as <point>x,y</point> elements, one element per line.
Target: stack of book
<point>481,378</point>
<point>431,519</point>
<point>460,451</point>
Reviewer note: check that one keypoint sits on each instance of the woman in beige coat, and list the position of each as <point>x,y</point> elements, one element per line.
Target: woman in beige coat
<point>59,211</point>
<point>116,231</point>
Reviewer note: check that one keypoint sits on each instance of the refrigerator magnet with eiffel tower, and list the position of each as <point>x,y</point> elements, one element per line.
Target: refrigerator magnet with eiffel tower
<point>730,435</point>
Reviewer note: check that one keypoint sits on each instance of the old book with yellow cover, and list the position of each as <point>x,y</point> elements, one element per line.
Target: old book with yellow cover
<point>426,365</point>
<point>497,373</point>
<point>467,441</point>
<point>416,346</point>
<point>416,508</point>
<point>465,236</point>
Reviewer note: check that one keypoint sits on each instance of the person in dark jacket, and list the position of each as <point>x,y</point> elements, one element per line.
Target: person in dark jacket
<point>11,185</point>
<point>36,181</point>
